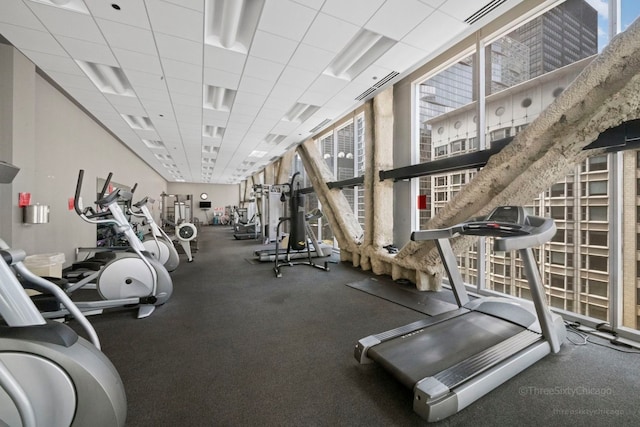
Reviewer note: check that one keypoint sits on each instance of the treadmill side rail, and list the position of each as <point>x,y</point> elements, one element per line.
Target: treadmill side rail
<point>460,397</point>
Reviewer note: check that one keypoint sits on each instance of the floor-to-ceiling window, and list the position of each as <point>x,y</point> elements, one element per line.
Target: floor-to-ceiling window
<point>596,205</point>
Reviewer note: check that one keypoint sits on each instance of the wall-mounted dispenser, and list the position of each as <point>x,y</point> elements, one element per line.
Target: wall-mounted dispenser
<point>35,214</point>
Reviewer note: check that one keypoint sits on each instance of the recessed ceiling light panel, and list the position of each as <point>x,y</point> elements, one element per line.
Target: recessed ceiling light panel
<point>218,98</point>
<point>365,48</point>
<point>231,24</point>
<point>107,79</point>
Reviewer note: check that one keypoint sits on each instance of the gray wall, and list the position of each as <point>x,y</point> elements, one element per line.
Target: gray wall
<point>220,195</point>
<point>50,139</point>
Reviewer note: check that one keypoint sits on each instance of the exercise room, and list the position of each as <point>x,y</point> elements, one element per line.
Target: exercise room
<point>319,213</point>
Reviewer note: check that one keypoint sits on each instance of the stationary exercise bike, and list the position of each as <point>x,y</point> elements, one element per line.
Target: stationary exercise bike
<point>50,376</point>
<point>132,278</point>
<point>158,244</point>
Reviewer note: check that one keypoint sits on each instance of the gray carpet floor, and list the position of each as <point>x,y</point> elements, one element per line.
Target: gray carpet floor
<point>236,346</point>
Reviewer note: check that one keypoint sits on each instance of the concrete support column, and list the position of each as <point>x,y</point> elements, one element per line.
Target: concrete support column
<point>284,167</point>
<point>379,194</point>
<point>335,207</point>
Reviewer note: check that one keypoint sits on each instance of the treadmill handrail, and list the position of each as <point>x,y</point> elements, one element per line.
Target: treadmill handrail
<point>533,232</point>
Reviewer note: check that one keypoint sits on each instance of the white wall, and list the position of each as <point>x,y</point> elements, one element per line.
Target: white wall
<point>220,195</point>
<point>64,140</point>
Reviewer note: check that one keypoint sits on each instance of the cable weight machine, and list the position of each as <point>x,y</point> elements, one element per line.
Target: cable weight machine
<point>301,235</point>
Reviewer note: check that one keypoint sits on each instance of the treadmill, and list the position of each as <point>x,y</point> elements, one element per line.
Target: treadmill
<point>452,359</point>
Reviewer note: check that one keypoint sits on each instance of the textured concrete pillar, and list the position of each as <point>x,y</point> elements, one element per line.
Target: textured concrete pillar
<point>379,194</point>
<point>284,167</point>
<point>335,206</point>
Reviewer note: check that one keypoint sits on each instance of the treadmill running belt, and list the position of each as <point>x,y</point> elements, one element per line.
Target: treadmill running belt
<point>426,352</point>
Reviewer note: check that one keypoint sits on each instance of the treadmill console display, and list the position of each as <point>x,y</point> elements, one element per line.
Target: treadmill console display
<point>510,214</point>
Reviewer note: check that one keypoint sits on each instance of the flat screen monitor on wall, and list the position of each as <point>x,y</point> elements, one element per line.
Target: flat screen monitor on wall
<point>205,205</point>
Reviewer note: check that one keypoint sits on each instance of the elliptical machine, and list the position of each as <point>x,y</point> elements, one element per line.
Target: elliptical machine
<point>159,244</point>
<point>132,278</point>
<point>48,374</point>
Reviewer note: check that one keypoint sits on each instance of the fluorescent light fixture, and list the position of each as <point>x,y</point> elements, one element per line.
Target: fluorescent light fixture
<point>72,5</point>
<point>218,98</point>
<point>138,122</point>
<point>210,149</point>
<point>213,131</point>
<point>273,138</point>
<point>360,53</point>
<point>153,144</point>
<point>107,79</point>
<point>256,153</point>
<point>170,165</point>
<point>163,157</point>
<point>231,24</point>
<point>300,112</point>
<point>208,160</point>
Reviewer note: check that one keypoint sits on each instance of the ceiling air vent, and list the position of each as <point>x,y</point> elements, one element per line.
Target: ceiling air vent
<point>484,11</point>
<point>320,125</point>
<point>383,81</point>
<point>386,79</point>
<point>366,93</point>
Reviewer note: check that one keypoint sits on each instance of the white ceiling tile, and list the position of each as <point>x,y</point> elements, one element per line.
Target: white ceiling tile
<point>297,77</point>
<point>179,49</point>
<point>139,79</point>
<point>73,81</point>
<point>53,62</point>
<point>315,97</point>
<point>193,100</point>
<point>88,51</point>
<point>131,12</point>
<point>286,18</point>
<point>355,11</point>
<point>397,17</point>
<point>223,59</point>
<point>311,58</point>
<point>27,38</point>
<point>169,18</point>
<point>129,60</point>
<point>126,104</point>
<point>127,36</point>
<point>184,86</point>
<point>221,78</point>
<point>66,23</point>
<point>401,56</point>
<point>262,69</point>
<point>252,100</point>
<point>240,120</point>
<point>330,33</point>
<point>438,28</point>
<point>17,13</point>
<point>182,70</point>
<point>272,47</point>
<point>314,4</point>
<point>254,85</point>
<point>283,127</point>
<point>197,5</point>
<point>149,94</point>
<point>328,84</point>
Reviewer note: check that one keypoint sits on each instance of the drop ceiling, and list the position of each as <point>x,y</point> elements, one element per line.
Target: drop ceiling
<point>215,90</point>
